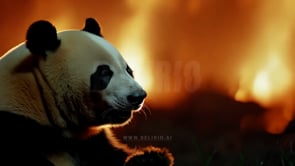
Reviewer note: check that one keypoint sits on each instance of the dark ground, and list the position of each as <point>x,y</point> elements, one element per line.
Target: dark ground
<point>206,130</point>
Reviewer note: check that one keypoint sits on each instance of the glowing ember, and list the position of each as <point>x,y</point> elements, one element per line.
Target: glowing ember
<point>271,81</point>
<point>269,85</point>
<point>261,85</point>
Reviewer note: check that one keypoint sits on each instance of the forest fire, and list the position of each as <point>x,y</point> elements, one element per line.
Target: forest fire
<point>192,41</point>
<point>270,86</point>
<point>214,70</point>
<point>267,78</point>
<point>272,80</point>
<point>132,42</point>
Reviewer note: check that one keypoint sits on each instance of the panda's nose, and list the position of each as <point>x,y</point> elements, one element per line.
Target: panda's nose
<point>137,98</point>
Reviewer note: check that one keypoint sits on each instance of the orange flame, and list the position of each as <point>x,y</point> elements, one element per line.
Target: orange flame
<point>270,87</point>
<point>267,79</point>
<point>134,46</point>
<point>268,83</point>
<point>132,42</point>
<point>273,80</point>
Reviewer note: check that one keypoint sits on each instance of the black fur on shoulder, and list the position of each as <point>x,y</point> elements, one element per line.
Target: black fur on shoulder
<point>42,36</point>
<point>92,26</point>
<point>25,142</point>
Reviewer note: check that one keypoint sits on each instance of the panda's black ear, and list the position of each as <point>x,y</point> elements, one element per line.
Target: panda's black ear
<point>92,26</point>
<point>41,37</point>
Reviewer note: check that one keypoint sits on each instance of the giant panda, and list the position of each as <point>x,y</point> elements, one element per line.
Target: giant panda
<point>60,95</point>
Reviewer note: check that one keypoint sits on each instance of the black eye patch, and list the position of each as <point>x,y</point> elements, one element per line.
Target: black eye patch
<point>101,78</point>
<point>129,71</point>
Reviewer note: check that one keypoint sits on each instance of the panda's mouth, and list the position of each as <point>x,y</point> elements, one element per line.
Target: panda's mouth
<point>119,112</point>
<point>114,116</point>
<point>122,116</point>
<point>115,112</point>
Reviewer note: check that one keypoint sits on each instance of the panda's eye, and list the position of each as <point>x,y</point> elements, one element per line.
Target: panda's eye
<point>129,71</point>
<point>101,78</point>
<point>104,71</point>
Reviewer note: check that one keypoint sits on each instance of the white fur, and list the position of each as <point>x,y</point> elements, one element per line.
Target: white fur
<point>67,72</point>
<point>55,90</point>
<point>18,92</point>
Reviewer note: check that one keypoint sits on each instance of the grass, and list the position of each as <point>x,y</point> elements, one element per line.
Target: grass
<point>213,158</point>
<point>247,156</point>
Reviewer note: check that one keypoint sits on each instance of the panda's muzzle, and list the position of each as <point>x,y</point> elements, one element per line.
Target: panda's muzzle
<point>136,98</point>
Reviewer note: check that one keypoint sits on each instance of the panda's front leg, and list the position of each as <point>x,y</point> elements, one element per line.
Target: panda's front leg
<point>103,148</point>
<point>151,156</point>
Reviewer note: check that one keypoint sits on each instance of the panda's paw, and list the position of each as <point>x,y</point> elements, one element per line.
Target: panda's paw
<point>151,156</point>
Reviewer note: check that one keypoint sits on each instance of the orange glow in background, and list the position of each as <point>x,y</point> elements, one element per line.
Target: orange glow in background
<point>133,39</point>
<point>175,48</point>
<point>267,77</point>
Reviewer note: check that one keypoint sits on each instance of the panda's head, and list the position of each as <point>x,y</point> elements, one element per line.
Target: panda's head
<point>90,82</point>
